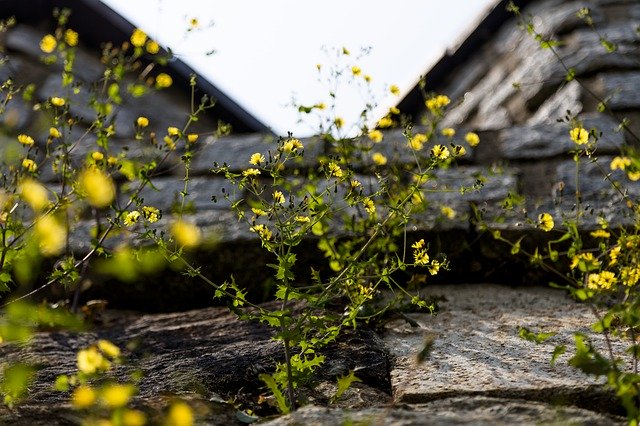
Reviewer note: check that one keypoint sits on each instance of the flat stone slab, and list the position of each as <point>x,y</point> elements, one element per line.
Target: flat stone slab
<point>477,350</point>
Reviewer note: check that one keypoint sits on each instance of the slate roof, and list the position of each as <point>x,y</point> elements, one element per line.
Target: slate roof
<point>523,149</point>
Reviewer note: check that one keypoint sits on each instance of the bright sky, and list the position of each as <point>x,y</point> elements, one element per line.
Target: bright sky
<point>266,51</point>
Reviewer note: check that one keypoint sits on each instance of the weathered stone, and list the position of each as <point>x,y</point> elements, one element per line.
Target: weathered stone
<point>464,410</point>
<point>550,140</point>
<point>623,89</point>
<point>567,98</point>
<point>477,350</point>
<point>24,39</point>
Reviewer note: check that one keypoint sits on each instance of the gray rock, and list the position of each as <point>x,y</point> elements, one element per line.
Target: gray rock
<point>622,89</point>
<point>567,98</point>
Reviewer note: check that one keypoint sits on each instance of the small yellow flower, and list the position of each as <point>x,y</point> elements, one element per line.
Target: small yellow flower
<point>257,159</point>
<point>545,222</point>
<point>29,164</point>
<point>630,275</point>
<point>97,156</point>
<point>369,205</point>
<point>385,122</point>
<point>292,145</point>
<point>602,281</point>
<point>355,184</point>
<point>142,122</point>
<point>173,131</point>
<point>459,151</point>
<point>395,90</point>
<point>98,187</point>
<point>585,261</point>
<point>633,176</point>
<point>376,136</point>
<point>600,233</point>
<point>34,194</point>
<point>83,397</point>
<point>152,47</point>
<point>335,170</point>
<point>186,234</point>
<point>355,70</point>
<point>448,212</point>
<point>394,110</point>
<point>579,135</point>
<point>163,81</point>
<point>367,78</point>
<point>379,159</point>
<point>251,172</point>
<point>48,43</point>
<point>192,138</point>
<point>138,37</point>
<point>472,139</point>
<point>112,161</point>
<point>90,360</point>
<point>108,348</point>
<point>151,214</point>
<point>448,132</point>
<point>418,244</point>
<point>171,144</point>
<point>180,414</point>
<point>262,231</point>
<point>436,103</point>
<point>25,140</point>
<point>133,418</point>
<point>303,219</point>
<point>54,133</point>
<point>417,141</point>
<point>440,152</point>
<point>320,106</point>
<point>71,37</point>
<point>56,101</point>
<point>278,197</point>
<point>339,122</point>
<point>620,163</point>
<point>117,395</point>
<point>52,236</point>
<point>131,218</point>
<point>258,212</point>
<point>420,257</point>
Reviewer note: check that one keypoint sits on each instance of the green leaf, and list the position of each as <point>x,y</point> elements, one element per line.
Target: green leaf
<point>344,383</point>
<point>529,335</point>
<point>559,350</point>
<point>277,393</point>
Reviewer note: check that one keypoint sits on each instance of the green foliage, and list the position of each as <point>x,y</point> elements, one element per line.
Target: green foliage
<point>531,336</point>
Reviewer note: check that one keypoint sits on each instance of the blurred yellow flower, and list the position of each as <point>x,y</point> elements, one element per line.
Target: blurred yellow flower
<point>262,231</point>
<point>472,139</point>
<point>395,90</point>
<point>436,103</point>
<point>440,152</point>
<point>339,122</point>
<point>83,396</point>
<point>98,187</point>
<point>56,101</point>
<point>579,135</point>
<point>180,414</point>
<point>278,197</point>
<point>192,137</point>
<point>71,37</point>
<point>186,234</point>
<point>34,194</point>
<point>173,131</point>
<point>138,37</point>
<point>117,395</point>
<point>376,136</point>
<point>251,172</point>
<point>292,145</point>
<point>52,235</point>
<point>54,133</point>
<point>416,142</point>
<point>379,159</point>
<point>256,159</point>
<point>163,81</point>
<point>97,156</point>
<point>385,122</point>
<point>355,70</point>
<point>152,47</point>
<point>448,212</point>
<point>448,132</point>
<point>90,360</point>
<point>133,418</point>
<point>142,121</point>
<point>600,233</point>
<point>369,205</point>
<point>620,163</point>
<point>48,43</point>
<point>131,218</point>
<point>151,214</point>
<point>335,170</point>
<point>29,164</point>
<point>25,139</point>
<point>108,348</point>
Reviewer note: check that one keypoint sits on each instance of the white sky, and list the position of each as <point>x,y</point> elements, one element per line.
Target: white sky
<point>266,51</point>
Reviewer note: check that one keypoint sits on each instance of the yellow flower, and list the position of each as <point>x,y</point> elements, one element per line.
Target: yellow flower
<point>173,131</point>
<point>278,197</point>
<point>258,212</point>
<point>186,234</point>
<point>117,395</point>
<point>90,360</point>
<point>138,38</point>
<point>25,140</point>
<point>192,137</point>
<point>602,281</point>
<point>251,172</point>
<point>459,151</point>
<point>448,212</point>
<point>385,122</point>
<point>420,257</point>
<point>97,156</point>
<point>545,222</point>
<point>303,219</point>
<point>83,397</point>
<point>436,103</point>
<point>339,122</point>
<point>54,133</point>
<point>448,132</point>
<point>613,255</point>
<point>194,23</point>
<point>367,78</point>
<point>48,43</point>
<point>472,139</point>
<point>630,275</point>
<point>379,159</point>
<point>355,184</point>
<point>376,136</point>
<point>418,244</point>
<point>292,145</point>
<point>585,261</point>
<point>256,159</point>
<point>394,110</point>
<point>108,348</point>
<point>633,176</point>
<point>355,70</point>
<point>417,141</point>
<point>369,205</point>
<point>29,164</point>
<point>335,170</point>
<point>98,187</point>
<point>163,81</point>
<point>395,90</point>
<point>151,214</point>
<point>171,144</point>
<point>34,194</point>
<point>179,415</point>
<point>620,163</point>
<point>320,106</point>
<point>262,231</point>
<point>579,135</point>
<point>142,121</point>
<point>71,37</point>
<point>56,101</point>
<point>131,218</point>
<point>600,233</point>
<point>152,47</point>
<point>52,235</point>
<point>440,152</point>
<point>133,418</point>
